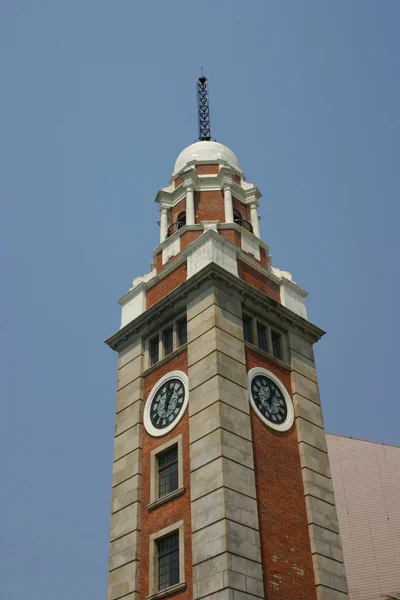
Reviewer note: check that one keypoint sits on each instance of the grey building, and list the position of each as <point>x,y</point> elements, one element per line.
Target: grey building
<point>366,480</point>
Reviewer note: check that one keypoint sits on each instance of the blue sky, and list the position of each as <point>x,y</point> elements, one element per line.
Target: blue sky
<point>98,99</point>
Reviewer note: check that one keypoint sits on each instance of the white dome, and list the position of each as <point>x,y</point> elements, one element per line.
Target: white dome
<point>205,152</point>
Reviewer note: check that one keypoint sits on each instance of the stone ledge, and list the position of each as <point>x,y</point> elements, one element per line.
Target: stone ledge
<point>166,498</point>
<point>174,589</point>
<point>164,361</point>
<point>270,357</point>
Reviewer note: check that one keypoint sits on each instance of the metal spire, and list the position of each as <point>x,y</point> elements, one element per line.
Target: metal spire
<point>203,108</point>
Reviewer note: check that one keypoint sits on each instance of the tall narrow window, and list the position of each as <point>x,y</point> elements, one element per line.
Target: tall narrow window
<point>247,329</point>
<point>237,217</point>
<point>154,350</point>
<point>262,337</point>
<point>276,344</point>
<point>168,341</point>
<point>168,561</point>
<point>181,220</point>
<point>182,332</point>
<point>168,471</point>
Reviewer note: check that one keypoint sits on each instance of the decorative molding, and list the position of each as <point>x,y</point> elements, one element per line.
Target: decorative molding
<point>174,589</point>
<point>166,498</point>
<point>151,430</point>
<point>178,298</point>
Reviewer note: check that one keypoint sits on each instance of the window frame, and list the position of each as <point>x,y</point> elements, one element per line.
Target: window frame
<point>167,471</point>
<point>256,323</point>
<point>170,555</point>
<point>178,331</point>
<point>154,584</point>
<point>155,339</point>
<point>246,317</point>
<point>278,337</point>
<point>155,498</point>
<point>166,332</point>
<point>160,334</point>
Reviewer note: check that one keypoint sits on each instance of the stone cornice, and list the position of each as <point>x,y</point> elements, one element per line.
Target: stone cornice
<point>243,231</point>
<point>144,285</point>
<point>223,164</point>
<point>168,197</point>
<point>175,300</point>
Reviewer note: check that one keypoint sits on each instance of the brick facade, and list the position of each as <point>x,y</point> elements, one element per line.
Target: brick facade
<point>240,208</point>
<point>207,169</point>
<point>166,285</point>
<point>209,206</point>
<point>259,281</point>
<point>232,235</point>
<point>177,210</point>
<point>176,509</point>
<point>285,542</point>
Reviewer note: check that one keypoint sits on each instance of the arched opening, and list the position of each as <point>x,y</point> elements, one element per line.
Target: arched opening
<point>237,217</point>
<point>239,220</point>
<point>181,220</point>
<point>178,224</point>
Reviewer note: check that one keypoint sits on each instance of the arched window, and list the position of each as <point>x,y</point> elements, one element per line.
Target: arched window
<point>181,220</point>
<point>239,220</point>
<point>237,217</point>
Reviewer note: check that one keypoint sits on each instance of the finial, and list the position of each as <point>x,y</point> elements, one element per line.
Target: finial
<point>203,108</point>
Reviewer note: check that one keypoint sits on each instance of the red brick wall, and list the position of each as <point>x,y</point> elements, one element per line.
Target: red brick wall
<point>209,206</point>
<point>176,509</point>
<point>166,285</point>
<point>188,237</point>
<point>232,235</point>
<point>259,281</point>
<point>241,208</point>
<point>178,181</point>
<point>177,210</point>
<point>159,265</point>
<point>207,169</point>
<point>285,542</point>
<point>237,179</point>
<point>263,257</point>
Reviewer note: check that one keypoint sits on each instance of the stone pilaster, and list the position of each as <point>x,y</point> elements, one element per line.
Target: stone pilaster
<point>225,531</point>
<point>123,580</point>
<point>326,547</point>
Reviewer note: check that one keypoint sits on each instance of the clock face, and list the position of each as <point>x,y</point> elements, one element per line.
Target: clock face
<point>269,399</point>
<point>167,403</point>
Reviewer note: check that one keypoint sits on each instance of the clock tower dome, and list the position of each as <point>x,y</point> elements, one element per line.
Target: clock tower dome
<point>221,486</point>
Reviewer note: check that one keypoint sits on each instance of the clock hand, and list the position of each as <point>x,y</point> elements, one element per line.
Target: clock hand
<point>167,401</point>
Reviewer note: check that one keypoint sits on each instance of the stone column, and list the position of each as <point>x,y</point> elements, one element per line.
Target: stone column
<point>163,223</point>
<point>228,203</point>
<point>225,531</point>
<point>124,561</point>
<point>326,546</point>
<point>190,205</point>
<point>254,219</point>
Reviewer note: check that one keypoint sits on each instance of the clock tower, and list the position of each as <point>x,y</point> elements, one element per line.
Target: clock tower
<point>221,485</point>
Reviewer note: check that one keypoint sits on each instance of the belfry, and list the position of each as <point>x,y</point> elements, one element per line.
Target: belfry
<point>221,480</point>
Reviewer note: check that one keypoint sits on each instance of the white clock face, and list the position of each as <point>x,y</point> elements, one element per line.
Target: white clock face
<point>166,403</point>
<point>270,399</point>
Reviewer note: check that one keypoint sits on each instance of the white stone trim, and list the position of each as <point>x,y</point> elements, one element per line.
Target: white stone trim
<point>172,248</point>
<point>290,412</point>
<point>211,250</point>
<point>292,298</point>
<point>250,245</point>
<point>135,306</point>
<point>146,416</point>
